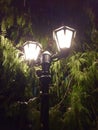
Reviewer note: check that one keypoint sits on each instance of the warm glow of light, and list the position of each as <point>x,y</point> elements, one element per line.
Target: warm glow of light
<point>31,51</point>
<point>64,38</point>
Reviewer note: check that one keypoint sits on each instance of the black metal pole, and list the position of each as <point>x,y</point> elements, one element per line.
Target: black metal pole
<point>45,79</point>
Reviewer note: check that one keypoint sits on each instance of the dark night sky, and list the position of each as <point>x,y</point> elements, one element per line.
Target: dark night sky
<point>56,12</point>
<point>47,15</point>
<point>53,13</point>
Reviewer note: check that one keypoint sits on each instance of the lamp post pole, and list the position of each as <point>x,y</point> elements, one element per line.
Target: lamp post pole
<point>45,79</point>
<point>32,50</point>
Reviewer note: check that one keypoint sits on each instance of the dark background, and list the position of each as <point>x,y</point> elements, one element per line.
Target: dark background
<point>49,14</point>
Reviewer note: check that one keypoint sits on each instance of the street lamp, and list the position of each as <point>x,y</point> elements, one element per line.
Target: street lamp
<point>32,51</point>
<point>64,37</point>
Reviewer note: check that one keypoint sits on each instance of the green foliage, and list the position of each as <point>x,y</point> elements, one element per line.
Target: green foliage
<point>56,79</point>
<point>94,38</point>
<point>34,118</point>
<point>15,24</point>
<point>56,121</point>
<point>78,80</point>
<point>58,76</point>
<point>74,118</point>
<point>11,68</point>
<point>83,69</point>
<point>16,85</point>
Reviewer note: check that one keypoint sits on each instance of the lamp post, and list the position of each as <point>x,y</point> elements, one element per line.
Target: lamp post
<point>32,50</point>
